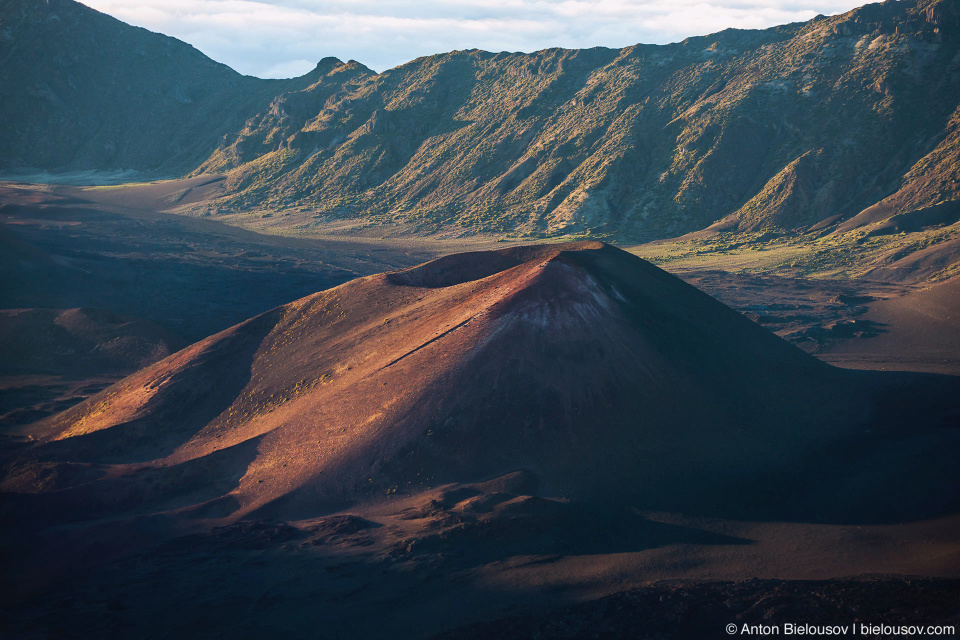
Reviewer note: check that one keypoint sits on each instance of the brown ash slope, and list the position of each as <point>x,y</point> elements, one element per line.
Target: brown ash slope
<point>137,285</point>
<point>604,377</point>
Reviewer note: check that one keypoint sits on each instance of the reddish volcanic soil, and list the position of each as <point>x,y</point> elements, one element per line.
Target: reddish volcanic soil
<point>605,376</point>
<point>527,427</point>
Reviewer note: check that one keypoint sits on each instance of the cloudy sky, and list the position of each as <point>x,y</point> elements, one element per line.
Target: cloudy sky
<point>285,38</point>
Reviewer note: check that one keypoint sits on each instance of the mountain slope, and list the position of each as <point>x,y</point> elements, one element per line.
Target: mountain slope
<point>774,129</point>
<point>796,127</point>
<point>82,90</point>
<point>595,373</point>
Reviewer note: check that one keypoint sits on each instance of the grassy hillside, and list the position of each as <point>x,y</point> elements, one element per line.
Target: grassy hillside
<point>844,124</point>
<point>749,130</point>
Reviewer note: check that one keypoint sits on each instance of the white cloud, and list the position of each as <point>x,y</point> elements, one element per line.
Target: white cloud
<point>281,38</point>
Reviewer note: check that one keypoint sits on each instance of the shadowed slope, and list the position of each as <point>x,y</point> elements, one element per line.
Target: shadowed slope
<point>82,90</point>
<point>71,340</point>
<point>606,377</point>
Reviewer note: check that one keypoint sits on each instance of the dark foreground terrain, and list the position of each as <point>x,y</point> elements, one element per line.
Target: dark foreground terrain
<point>523,569</point>
<point>764,608</point>
<point>256,580</point>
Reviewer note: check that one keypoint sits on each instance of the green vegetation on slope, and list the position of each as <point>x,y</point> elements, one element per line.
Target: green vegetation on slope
<point>844,122</point>
<point>774,129</point>
<point>927,255</point>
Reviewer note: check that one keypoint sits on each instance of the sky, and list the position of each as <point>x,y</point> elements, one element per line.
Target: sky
<point>286,38</point>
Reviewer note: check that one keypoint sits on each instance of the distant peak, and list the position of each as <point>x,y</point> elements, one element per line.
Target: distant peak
<point>329,62</point>
<point>325,66</point>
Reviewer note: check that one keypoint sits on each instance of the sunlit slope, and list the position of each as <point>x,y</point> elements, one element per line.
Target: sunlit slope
<point>750,130</point>
<point>604,376</point>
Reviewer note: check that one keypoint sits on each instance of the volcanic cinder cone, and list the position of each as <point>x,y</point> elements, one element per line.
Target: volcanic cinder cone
<point>604,376</point>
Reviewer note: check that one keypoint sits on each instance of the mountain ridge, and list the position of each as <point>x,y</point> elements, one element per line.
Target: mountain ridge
<point>646,142</point>
<point>786,128</point>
